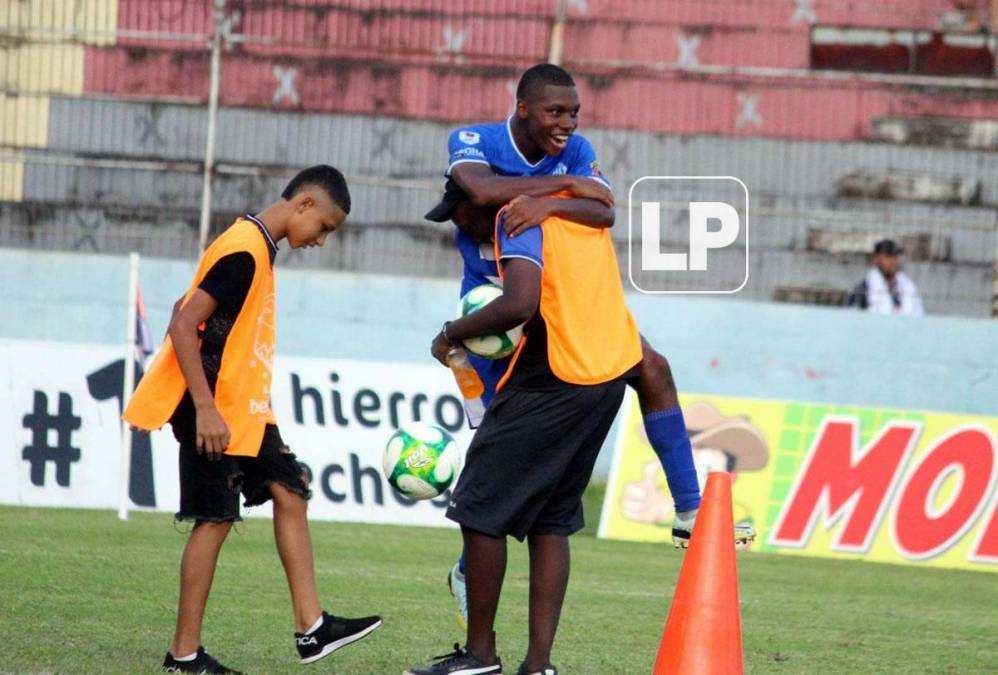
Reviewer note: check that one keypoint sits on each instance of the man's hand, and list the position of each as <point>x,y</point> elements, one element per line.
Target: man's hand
<point>441,345</point>
<point>212,433</point>
<point>525,212</point>
<point>590,188</point>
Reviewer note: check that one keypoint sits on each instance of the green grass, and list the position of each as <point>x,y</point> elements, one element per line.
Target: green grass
<point>82,592</point>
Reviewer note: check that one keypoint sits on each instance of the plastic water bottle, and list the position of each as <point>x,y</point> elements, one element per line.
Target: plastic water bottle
<point>469,383</point>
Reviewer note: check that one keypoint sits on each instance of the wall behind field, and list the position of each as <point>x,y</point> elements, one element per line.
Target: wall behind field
<point>721,347</point>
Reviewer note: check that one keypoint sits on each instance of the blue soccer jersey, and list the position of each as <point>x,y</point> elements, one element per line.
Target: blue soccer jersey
<point>479,262</point>
<point>480,268</point>
<point>493,145</point>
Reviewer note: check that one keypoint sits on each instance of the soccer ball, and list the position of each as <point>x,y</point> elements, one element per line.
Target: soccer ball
<point>421,460</point>
<point>488,346</point>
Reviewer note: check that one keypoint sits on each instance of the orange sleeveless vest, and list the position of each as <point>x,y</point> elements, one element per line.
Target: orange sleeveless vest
<point>242,393</point>
<point>592,337</point>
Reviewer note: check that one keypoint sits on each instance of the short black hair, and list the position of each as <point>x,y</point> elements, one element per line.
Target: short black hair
<point>887,247</point>
<point>326,177</point>
<point>536,77</point>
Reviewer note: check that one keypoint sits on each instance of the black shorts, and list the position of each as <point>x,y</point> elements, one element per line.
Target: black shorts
<point>531,459</point>
<point>209,490</point>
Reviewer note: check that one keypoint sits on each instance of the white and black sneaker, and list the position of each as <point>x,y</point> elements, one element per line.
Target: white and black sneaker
<point>334,632</point>
<point>546,670</point>
<point>202,663</point>
<point>682,531</point>
<point>458,662</point>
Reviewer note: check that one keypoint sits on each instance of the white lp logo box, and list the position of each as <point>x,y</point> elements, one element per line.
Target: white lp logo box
<point>688,234</point>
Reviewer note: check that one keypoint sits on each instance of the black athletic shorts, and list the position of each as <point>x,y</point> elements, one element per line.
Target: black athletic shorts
<point>531,459</point>
<point>209,490</point>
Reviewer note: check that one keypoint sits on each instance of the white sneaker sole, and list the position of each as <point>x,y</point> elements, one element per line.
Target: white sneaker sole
<point>342,642</point>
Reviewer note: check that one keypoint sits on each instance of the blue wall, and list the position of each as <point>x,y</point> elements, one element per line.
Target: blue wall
<point>715,346</point>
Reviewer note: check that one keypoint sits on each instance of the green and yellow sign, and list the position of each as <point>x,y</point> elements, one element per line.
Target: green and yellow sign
<point>833,481</point>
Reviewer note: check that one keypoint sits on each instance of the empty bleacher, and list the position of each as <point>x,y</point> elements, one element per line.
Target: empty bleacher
<point>104,123</point>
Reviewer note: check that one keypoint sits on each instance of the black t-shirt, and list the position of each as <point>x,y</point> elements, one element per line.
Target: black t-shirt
<point>533,369</point>
<point>228,282</point>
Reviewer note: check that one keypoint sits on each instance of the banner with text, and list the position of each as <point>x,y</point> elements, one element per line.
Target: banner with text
<point>60,404</point>
<point>830,481</point>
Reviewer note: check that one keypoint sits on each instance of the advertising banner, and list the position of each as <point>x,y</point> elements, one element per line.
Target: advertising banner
<point>829,481</point>
<point>60,404</point>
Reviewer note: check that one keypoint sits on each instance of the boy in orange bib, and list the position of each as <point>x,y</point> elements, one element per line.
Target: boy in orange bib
<point>211,381</point>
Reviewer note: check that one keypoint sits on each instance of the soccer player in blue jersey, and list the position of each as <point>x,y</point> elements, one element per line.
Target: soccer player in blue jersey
<point>521,162</point>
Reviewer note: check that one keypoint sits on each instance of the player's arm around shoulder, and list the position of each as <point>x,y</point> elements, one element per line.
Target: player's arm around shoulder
<point>212,432</point>
<point>485,188</point>
<point>588,199</point>
<point>525,212</point>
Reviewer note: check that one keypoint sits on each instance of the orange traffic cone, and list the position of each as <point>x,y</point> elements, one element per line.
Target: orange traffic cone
<point>703,635</point>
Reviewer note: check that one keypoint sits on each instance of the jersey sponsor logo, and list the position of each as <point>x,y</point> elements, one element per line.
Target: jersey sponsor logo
<point>594,167</point>
<point>259,407</point>
<point>560,170</point>
<point>468,152</point>
<point>469,137</point>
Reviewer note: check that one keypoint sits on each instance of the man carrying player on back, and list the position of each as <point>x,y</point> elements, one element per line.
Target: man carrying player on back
<point>522,162</point>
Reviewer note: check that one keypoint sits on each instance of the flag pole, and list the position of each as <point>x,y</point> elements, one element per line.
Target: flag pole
<point>129,385</point>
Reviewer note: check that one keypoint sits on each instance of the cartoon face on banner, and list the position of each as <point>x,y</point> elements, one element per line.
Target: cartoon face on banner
<point>822,480</point>
<point>720,442</point>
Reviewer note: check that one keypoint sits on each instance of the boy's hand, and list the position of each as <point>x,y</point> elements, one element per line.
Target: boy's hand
<point>525,212</point>
<point>590,188</point>
<point>212,432</point>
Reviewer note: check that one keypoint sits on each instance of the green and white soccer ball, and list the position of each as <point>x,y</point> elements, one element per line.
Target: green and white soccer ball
<point>421,460</point>
<point>488,346</point>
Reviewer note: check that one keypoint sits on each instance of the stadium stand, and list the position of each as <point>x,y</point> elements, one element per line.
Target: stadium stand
<point>838,115</point>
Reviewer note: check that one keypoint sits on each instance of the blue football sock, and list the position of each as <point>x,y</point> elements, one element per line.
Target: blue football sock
<point>666,431</point>
<point>460,562</point>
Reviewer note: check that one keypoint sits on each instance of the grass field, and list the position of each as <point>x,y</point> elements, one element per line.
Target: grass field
<point>81,592</point>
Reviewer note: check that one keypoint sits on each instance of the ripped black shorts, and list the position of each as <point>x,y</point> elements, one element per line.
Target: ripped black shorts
<point>209,490</point>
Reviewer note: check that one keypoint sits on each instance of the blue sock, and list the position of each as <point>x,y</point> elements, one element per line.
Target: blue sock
<point>666,431</point>
<point>460,562</point>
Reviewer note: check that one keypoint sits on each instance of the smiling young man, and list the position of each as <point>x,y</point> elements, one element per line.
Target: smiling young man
<point>211,381</point>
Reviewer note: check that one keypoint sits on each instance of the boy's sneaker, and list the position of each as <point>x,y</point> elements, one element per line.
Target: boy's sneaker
<point>546,670</point>
<point>202,663</point>
<point>458,589</point>
<point>682,529</point>
<point>458,662</point>
<point>334,632</point>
